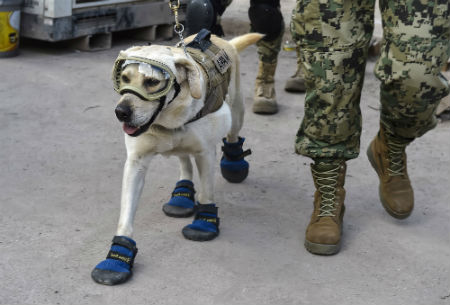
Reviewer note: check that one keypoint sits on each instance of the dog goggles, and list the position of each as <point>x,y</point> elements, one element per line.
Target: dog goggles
<point>149,69</point>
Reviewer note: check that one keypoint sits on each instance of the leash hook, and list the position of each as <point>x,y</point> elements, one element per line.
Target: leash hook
<point>178,27</point>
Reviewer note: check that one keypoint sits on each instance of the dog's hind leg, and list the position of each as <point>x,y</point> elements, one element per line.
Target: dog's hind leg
<point>232,165</point>
<point>206,221</point>
<point>182,202</point>
<point>205,165</point>
<point>116,268</point>
<point>185,168</point>
<point>236,103</point>
<point>237,116</point>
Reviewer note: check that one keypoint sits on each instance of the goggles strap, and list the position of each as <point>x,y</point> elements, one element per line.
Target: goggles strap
<point>161,101</point>
<point>177,88</point>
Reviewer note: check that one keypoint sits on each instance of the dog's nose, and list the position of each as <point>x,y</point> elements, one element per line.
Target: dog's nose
<point>123,113</point>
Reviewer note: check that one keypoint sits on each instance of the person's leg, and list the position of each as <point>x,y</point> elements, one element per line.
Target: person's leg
<point>415,48</point>
<point>296,83</point>
<point>333,38</point>
<point>266,18</point>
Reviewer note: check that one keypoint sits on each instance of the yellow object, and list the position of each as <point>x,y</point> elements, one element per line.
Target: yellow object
<point>9,30</point>
<point>289,46</point>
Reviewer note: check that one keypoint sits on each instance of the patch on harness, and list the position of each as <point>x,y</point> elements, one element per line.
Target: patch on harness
<point>222,61</point>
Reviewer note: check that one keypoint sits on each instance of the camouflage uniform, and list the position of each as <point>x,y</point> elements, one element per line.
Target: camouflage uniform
<point>334,36</point>
<point>268,49</point>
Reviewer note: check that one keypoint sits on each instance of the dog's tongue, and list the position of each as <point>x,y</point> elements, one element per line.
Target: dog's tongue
<point>129,129</point>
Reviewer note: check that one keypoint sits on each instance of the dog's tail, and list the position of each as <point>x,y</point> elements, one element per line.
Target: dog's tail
<point>242,42</point>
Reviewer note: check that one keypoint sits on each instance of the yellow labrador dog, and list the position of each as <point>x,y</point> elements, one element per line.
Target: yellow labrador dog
<point>180,102</point>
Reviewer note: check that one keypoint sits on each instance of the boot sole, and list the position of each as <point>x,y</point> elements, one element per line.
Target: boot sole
<point>322,249</point>
<point>383,201</point>
<point>264,108</point>
<point>326,249</point>
<point>294,88</point>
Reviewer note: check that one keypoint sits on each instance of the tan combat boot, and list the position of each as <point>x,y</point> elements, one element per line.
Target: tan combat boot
<point>265,100</point>
<point>323,235</point>
<point>296,83</point>
<point>388,158</point>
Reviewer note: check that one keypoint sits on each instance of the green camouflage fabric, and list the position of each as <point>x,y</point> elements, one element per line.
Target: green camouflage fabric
<point>268,49</point>
<point>333,37</point>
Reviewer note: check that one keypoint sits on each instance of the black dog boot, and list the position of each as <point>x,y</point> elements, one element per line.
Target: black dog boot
<point>116,268</point>
<point>182,203</point>
<point>205,225</point>
<point>232,165</point>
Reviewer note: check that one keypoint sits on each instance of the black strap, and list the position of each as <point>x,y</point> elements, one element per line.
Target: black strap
<point>185,185</point>
<point>123,242</point>
<point>206,208</point>
<point>235,157</point>
<point>189,195</point>
<point>177,88</point>
<point>201,41</point>
<point>203,209</point>
<point>210,219</point>
<point>162,101</point>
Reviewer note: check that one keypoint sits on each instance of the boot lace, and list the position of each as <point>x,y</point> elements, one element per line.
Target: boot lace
<point>395,156</point>
<point>327,182</point>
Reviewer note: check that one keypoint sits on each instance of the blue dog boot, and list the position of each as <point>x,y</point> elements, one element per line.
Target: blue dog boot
<point>205,225</point>
<point>182,203</point>
<point>232,165</point>
<point>116,268</point>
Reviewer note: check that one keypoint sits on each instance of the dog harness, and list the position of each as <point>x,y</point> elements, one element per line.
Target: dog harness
<point>216,63</point>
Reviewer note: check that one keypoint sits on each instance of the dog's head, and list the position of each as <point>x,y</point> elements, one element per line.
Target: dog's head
<point>158,84</point>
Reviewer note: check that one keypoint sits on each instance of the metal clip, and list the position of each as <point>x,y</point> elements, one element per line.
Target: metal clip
<point>178,27</point>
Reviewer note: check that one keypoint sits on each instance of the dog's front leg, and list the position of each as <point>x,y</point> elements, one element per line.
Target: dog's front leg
<point>206,221</point>
<point>116,268</point>
<point>132,184</point>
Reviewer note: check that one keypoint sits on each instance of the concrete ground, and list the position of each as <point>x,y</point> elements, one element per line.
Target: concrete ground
<point>62,155</point>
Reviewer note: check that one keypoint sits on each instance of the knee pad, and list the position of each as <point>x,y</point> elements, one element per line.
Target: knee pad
<point>266,18</point>
<point>202,14</point>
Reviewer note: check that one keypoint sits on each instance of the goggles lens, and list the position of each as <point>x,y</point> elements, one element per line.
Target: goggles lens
<point>150,81</point>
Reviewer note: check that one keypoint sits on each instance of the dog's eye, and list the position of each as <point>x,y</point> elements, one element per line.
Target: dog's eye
<point>151,82</point>
<point>125,79</point>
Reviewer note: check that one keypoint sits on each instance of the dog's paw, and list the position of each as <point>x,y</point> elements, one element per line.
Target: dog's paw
<point>116,268</point>
<point>182,203</point>
<point>205,225</point>
<point>232,165</point>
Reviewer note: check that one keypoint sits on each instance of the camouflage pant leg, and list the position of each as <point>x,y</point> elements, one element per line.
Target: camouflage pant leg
<point>268,49</point>
<point>333,38</point>
<point>416,46</point>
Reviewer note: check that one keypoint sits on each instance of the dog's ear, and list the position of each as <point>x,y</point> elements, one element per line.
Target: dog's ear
<point>192,74</point>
